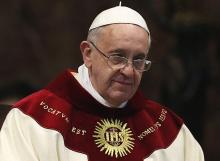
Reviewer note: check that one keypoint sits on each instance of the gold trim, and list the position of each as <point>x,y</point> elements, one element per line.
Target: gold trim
<point>114,137</point>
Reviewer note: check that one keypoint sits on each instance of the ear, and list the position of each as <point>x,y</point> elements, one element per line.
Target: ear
<point>86,53</point>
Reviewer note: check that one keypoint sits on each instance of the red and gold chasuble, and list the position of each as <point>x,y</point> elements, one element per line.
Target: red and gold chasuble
<point>101,133</point>
<point>63,122</point>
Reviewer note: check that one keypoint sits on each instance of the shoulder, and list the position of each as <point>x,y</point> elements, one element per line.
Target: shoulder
<point>42,98</point>
<point>161,112</point>
<point>165,110</point>
<point>160,122</point>
<point>46,108</point>
<point>154,110</point>
<point>156,114</point>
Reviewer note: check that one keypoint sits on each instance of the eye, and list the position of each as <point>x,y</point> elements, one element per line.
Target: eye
<point>116,59</point>
<point>139,62</point>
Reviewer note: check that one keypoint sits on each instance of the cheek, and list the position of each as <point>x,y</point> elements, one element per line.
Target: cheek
<point>106,78</point>
<point>102,76</point>
<point>138,79</point>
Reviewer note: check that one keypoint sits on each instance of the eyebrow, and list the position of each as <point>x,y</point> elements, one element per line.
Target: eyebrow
<point>123,53</point>
<point>119,51</point>
<point>140,56</point>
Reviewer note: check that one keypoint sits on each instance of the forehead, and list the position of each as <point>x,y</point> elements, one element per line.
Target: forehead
<point>128,36</point>
<point>123,29</point>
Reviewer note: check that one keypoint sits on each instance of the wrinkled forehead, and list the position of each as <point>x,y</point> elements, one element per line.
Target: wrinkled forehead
<point>122,30</point>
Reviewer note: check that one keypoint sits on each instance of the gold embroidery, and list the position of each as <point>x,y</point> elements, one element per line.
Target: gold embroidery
<point>113,137</point>
<point>54,111</point>
<point>155,126</point>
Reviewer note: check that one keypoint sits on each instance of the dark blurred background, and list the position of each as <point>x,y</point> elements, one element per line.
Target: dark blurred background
<point>40,39</point>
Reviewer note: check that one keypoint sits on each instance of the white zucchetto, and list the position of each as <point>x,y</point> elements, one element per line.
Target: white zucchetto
<point>119,15</point>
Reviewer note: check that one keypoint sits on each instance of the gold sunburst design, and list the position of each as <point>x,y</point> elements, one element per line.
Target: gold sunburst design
<point>113,137</point>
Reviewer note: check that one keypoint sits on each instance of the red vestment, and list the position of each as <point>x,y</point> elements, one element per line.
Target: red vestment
<point>63,122</point>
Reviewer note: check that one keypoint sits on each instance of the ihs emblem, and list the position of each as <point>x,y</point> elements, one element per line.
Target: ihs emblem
<point>113,137</point>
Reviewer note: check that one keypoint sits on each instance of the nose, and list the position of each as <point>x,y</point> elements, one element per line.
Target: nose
<point>128,69</point>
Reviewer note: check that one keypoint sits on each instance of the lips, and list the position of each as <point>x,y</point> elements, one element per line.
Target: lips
<point>124,82</point>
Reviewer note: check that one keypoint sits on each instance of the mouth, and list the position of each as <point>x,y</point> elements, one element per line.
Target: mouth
<point>127,83</point>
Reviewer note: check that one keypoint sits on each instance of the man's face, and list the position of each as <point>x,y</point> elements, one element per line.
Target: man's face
<point>117,85</point>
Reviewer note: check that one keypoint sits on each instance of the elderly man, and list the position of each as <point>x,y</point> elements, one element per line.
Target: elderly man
<point>98,113</point>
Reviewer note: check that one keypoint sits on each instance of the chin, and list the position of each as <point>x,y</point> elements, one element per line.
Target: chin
<point>120,97</point>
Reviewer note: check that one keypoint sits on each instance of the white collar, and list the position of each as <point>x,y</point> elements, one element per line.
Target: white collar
<point>83,78</point>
